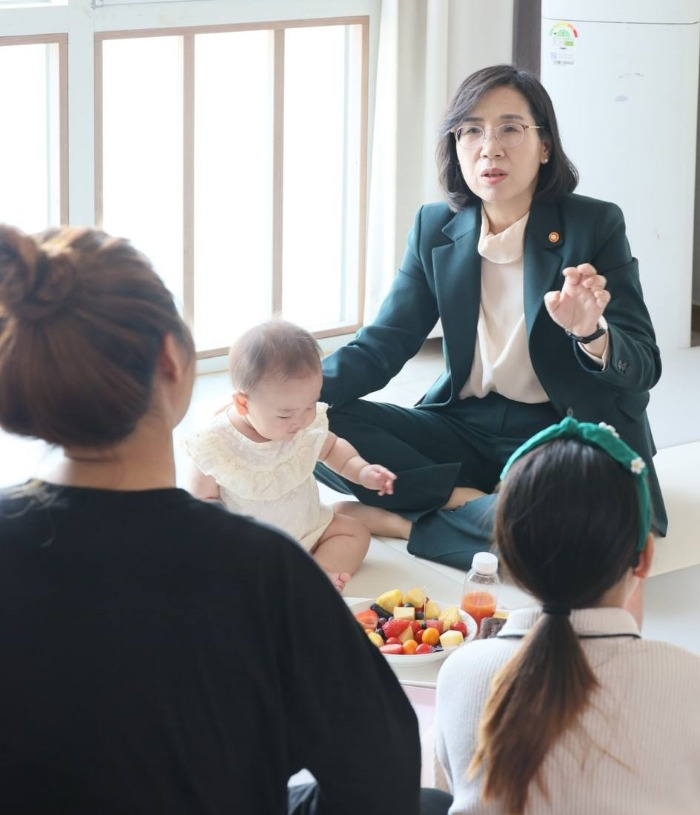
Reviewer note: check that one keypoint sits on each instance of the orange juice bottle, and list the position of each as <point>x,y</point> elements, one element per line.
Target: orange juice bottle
<point>481,587</point>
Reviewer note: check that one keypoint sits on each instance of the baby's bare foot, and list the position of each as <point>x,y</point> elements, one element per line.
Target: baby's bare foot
<point>378,521</point>
<point>339,579</point>
<point>461,496</point>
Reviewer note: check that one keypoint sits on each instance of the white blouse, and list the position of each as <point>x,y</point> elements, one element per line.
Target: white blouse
<point>501,356</point>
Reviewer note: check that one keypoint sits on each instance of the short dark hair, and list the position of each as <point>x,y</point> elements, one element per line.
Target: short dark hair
<point>557,177</point>
<point>272,348</point>
<point>83,316</point>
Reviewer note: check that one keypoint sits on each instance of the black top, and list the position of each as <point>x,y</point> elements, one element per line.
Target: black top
<point>161,655</point>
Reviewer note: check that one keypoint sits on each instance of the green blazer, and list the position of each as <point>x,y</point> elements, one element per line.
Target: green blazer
<point>440,278</point>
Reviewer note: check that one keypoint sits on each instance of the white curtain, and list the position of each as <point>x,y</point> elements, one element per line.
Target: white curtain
<point>426,48</point>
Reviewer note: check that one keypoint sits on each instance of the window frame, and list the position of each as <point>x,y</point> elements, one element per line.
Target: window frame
<point>61,43</point>
<point>80,26</point>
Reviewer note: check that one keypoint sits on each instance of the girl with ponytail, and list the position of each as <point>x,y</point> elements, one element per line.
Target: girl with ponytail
<point>568,710</point>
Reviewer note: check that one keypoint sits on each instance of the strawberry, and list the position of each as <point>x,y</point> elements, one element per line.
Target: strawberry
<point>391,649</point>
<point>394,627</point>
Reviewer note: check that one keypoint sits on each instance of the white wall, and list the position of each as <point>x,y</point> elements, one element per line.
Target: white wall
<point>625,69</point>
<point>442,42</point>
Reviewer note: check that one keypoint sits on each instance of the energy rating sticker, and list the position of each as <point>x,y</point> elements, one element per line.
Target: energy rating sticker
<point>562,43</point>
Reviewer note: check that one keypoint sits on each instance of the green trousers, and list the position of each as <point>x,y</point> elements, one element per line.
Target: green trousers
<point>432,450</point>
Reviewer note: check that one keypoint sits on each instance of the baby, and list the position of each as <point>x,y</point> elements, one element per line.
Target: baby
<point>259,452</point>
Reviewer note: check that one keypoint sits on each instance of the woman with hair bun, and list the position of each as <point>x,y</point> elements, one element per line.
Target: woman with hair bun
<point>159,654</point>
<point>567,709</point>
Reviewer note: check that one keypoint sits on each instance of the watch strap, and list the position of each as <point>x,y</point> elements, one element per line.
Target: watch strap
<point>585,340</point>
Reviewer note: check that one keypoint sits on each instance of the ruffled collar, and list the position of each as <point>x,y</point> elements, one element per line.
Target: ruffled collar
<point>507,246</point>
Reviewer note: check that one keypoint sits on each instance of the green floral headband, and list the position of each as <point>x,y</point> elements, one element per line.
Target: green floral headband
<point>605,438</point>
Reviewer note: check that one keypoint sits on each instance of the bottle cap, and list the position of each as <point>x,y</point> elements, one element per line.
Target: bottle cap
<point>485,563</point>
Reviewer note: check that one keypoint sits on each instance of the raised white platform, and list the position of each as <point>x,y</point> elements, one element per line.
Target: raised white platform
<point>679,474</point>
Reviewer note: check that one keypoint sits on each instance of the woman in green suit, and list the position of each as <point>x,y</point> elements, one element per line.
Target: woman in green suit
<point>542,316</point>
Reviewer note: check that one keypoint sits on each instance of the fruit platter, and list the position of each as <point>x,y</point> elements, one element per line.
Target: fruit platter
<point>410,628</point>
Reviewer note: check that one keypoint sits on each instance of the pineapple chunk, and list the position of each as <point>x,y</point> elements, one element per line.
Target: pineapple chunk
<point>451,639</point>
<point>450,615</point>
<point>416,597</point>
<point>375,638</point>
<point>405,612</point>
<point>407,634</point>
<point>431,610</point>
<point>390,599</point>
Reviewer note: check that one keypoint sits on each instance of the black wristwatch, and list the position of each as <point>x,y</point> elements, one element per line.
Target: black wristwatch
<point>602,328</point>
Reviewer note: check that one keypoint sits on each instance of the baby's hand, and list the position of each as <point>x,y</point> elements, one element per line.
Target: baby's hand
<point>376,477</point>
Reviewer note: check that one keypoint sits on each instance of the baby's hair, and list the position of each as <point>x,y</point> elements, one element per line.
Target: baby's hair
<point>275,348</point>
<point>82,321</point>
<point>566,527</point>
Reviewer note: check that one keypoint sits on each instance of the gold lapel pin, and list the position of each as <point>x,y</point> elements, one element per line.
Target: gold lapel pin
<point>553,237</point>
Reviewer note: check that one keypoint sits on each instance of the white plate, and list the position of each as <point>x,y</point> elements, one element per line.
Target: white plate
<point>356,604</point>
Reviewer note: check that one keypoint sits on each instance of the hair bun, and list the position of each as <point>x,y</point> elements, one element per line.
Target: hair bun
<point>35,280</point>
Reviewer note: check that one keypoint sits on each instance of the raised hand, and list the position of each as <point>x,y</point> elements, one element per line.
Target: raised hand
<point>581,302</point>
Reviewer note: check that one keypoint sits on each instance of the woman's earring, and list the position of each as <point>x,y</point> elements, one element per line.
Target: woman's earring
<point>545,160</point>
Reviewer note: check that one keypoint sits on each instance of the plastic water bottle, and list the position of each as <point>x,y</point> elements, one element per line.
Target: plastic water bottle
<point>481,584</point>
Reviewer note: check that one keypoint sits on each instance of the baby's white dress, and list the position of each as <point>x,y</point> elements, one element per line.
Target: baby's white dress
<point>272,481</point>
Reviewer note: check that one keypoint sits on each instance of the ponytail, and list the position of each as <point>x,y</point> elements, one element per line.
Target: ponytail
<point>535,697</point>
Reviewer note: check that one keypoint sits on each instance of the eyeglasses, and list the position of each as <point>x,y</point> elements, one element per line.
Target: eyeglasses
<point>509,135</point>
